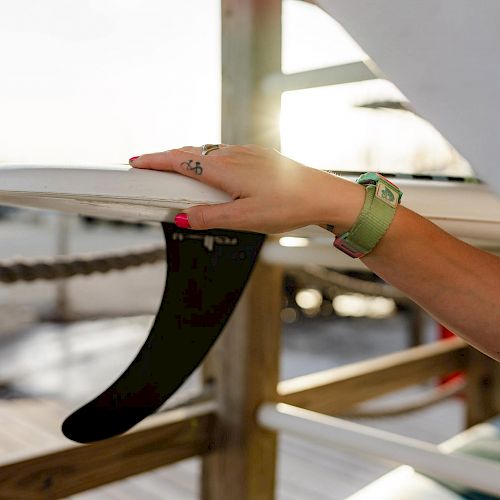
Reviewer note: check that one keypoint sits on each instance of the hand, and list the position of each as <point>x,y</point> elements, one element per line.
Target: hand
<point>271,193</point>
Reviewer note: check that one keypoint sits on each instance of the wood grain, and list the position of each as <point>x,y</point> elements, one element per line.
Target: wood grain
<point>246,373</point>
<point>244,365</point>
<point>482,400</point>
<point>333,391</point>
<point>161,440</point>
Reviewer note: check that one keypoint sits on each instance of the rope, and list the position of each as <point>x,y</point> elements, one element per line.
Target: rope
<point>347,283</point>
<point>61,267</point>
<point>69,266</point>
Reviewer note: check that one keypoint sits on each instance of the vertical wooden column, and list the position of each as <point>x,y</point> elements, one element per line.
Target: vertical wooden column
<point>482,392</point>
<point>244,366</point>
<point>416,317</point>
<point>245,369</point>
<point>250,51</point>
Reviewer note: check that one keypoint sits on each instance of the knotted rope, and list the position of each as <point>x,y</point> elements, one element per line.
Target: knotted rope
<point>79,265</point>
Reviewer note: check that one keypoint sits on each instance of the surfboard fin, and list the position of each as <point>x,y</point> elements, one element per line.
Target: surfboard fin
<point>206,274</point>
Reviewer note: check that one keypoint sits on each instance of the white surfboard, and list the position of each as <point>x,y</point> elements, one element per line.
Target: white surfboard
<point>443,55</point>
<point>466,209</point>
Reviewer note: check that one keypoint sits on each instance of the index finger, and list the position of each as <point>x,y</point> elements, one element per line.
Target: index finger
<point>189,163</point>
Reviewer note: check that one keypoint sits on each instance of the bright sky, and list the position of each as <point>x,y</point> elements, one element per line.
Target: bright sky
<point>98,81</point>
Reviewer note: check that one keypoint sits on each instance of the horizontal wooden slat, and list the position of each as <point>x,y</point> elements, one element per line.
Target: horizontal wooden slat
<point>339,389</point>
<point>333,75</point>
<point>161,440</point>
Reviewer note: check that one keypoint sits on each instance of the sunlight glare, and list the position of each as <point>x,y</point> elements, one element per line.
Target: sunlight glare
<point>309,298</point>
<point>358,305</point>
<point>292,241</point>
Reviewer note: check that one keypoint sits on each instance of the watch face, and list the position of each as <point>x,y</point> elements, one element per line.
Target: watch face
<point>387,193</point>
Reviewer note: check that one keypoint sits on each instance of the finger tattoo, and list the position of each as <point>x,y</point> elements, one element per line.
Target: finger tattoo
<point>194,166</point>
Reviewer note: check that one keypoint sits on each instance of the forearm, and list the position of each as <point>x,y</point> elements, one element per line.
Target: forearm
<point>456,283</point>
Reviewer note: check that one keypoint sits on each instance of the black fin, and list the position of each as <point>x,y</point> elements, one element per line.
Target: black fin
<point>206,274</point>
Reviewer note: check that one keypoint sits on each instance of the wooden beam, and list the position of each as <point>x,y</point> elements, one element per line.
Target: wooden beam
<point>161,440</point>
<point>246,373</point>
<point>339,389</point>
<point>482,389</point>
<point>333,75</point>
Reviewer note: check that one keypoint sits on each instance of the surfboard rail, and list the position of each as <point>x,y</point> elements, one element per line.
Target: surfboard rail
<point>466,209</point>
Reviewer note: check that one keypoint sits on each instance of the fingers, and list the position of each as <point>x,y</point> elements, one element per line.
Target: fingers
<point>232,215</point>
<point>187,161</point>
<point>169,161</point>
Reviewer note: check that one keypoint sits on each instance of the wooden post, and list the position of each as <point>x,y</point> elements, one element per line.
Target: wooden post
<point>416,318</point>
<point>251,51</point>
<point>482,388</point>
<point>244,365</point>
<point>245,369</point>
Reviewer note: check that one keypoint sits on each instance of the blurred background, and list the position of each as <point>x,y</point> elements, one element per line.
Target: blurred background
<point>96,82</point>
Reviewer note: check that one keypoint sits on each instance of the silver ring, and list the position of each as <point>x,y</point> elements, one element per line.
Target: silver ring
<point>207,148</point>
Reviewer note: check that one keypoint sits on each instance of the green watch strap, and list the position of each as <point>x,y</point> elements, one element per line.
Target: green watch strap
<point>381,200</point>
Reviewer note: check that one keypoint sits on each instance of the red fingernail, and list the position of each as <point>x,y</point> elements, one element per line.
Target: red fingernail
<point>181,220</point>
<point>132,159</point>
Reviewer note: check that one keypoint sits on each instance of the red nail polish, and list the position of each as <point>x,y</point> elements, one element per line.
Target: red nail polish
<point>181,220</point>
<point>132,159</point>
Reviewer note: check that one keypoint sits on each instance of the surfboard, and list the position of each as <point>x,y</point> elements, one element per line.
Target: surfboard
<point>440,54</point>
<point>206,270</point>
<point>462,206</point>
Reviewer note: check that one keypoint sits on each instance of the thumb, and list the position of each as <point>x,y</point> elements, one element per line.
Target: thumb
<point>230,215</point>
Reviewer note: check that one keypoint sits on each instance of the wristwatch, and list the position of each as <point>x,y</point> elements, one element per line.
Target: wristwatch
<point>382,197</point>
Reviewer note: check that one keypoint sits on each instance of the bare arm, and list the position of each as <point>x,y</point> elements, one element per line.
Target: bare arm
<point>456,283</point>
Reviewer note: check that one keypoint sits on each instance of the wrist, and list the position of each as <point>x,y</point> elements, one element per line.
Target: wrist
<point>341,204</point>
<point>382,198</point>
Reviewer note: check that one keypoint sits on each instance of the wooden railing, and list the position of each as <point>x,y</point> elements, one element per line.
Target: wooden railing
<point>238,455</point>
<point>339,389</point>
<point>161,440</point>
